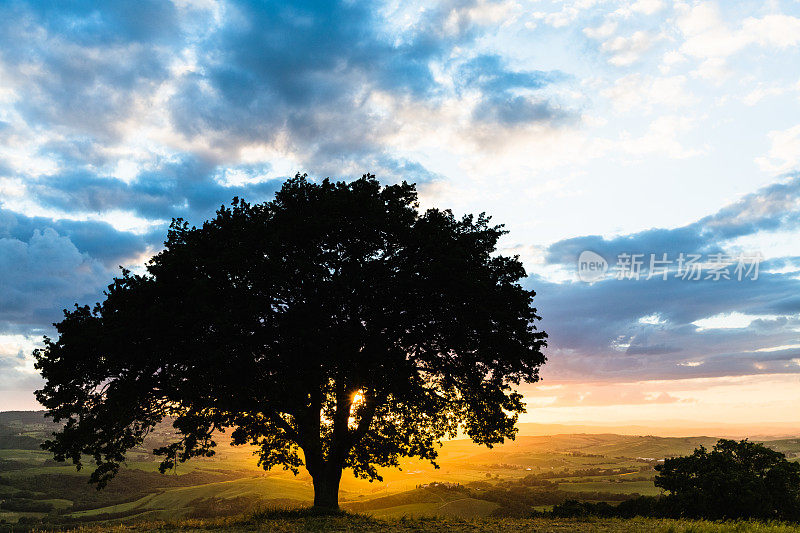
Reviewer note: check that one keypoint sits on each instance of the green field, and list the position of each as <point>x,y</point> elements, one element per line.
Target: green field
<point>645,488</point>
<point>361,523</point>
<point>512,479</point>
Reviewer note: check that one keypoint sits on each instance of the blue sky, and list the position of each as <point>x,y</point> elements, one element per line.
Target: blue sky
<point>639,127</point>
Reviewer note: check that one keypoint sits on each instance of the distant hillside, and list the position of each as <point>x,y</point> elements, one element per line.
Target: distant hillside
<point>22,417</point>
<point>531,472</point>
<point>672,428</point>
<point>669,428</point>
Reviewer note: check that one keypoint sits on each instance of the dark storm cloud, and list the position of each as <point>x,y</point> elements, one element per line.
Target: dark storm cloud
<point>592,318</point>
<point>43,274</point>
<point>516,110</point>
<point>302,71</point>
<point>189,188</point>
<point>489,73</point>
<point>309,68</point>
<point>768,209</point>
<point>500,102</point>
<point>96,238</point>
<point>305,73</point>
<point>79,66</point>
<point>113,21</point>
<point>644,328</point>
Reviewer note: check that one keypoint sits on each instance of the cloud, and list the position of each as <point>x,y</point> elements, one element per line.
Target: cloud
<point>773,207</point>
<point>317,84</point>
<point>608,328</point>
<point>488,73</point>
<point>43,274</point>
<point>606,29</point>
<point>137,115</point>
<point>116,118</point>
<point>500,101</point>
<point>187,187</point>
<point>311,71</point>
<point>75,66</point>
<point>708,38</point>
<point>647,7</point>
<point>96,239</point>
<point>16,366</point>
<point>647,93</point>
<point>784,153</point>
<point>306,68</point>
<point>663,137</point>
<point>600,394</point>
<point>656,349</point>
<point>515,110</point>
<point>625,51</point>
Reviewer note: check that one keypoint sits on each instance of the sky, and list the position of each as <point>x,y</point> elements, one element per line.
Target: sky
<point>627,129</point>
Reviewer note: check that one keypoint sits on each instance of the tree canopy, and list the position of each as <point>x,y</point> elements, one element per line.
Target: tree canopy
<point>336,326</point>
<point>734,480</point>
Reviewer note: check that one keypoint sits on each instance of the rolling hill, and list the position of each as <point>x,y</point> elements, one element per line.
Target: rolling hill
<point>532,472</point>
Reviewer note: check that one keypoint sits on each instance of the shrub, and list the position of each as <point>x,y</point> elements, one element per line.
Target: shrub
<point>735,480</point>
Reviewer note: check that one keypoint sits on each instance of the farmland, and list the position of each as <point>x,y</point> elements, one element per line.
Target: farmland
<point>471,483</point>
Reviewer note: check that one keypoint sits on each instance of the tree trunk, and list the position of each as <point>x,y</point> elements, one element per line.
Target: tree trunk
<point>326,488</point>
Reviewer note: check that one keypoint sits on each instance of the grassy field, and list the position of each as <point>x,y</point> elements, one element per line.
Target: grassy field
<point>289,522</point>
<point>178,502</point>
<point>473,483</point>
<point>645,488</point>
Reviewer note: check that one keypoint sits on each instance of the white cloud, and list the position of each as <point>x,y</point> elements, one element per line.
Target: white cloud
<point>17,345</point>
<point>712,69</point>
<point>606,29</point>
<point>729,321</point>
<point>625,51</point>
<point>706,34</point>
<point>561,18</point>
<point>647,7</point>
<point>673,57</point>
<point>492,13</point>
<point>779,348</point>
<point>784,154</point>
<point>711,40</point>
<point>646,92</point>
<point>761,92</point>
<point>643,7</point>
<point>661,138</point>
<point>653,320</point>
<point>779,31</point>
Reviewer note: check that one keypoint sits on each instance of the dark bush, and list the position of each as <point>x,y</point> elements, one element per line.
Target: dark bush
<point>24,505</point>
<point>735,480</point>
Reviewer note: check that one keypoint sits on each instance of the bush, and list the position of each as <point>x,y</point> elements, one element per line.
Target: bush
<point>735,480</point>
<point>574,508</point>
<point>24,505</point>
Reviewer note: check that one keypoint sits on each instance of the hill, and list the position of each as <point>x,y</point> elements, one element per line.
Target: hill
<point>289,522</point>
<point>532,472</point>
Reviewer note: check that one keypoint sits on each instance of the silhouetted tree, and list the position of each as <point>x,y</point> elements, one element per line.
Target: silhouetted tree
<point>735,480</point>
<point>333,327</point>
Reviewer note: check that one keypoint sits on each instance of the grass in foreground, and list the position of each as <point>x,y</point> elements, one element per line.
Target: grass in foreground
<point>307,520</point>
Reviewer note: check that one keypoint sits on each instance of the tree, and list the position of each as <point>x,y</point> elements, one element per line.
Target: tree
<point>735,480</point>
<point>334,327</point>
